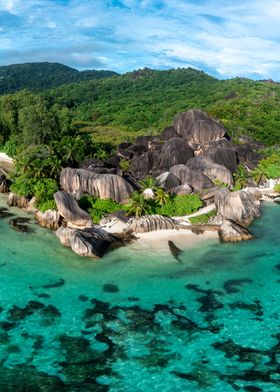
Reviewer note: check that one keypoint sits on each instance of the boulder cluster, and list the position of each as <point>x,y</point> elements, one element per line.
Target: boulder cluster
<point>194,155</point>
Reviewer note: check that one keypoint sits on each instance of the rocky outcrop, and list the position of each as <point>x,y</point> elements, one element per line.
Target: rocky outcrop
<point>194,178</point>
<point>211,169</point>
<point>49,219</point>
<point>232,232</point>
<point>240,206</point>
<point>5,184</point>
<point>221,152</point>
<point>68,208</point>
<point>149,223</point>
<point>90,242</point>
<point>196,126</point>
<point>174,151</point>
<point>15,200</point>
<point>181,190</point>
<point>78,182</point>
<point>167,181</point>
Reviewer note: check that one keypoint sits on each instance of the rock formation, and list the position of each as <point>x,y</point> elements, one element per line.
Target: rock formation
<point>221,152</point>
<point>50,219</point>
<point>174,151</point>
<point>196,126</point>
<point>5,184</point>
<point>240,206</point>
<point>69,209</point>
<point>167,181</point>
<point>90,242</point>
<point>17,201</point>
<point>232,232</point>
<point>78,182</point>
<point>149,223</point>
<point>211,169</point>
<point>194,178</point>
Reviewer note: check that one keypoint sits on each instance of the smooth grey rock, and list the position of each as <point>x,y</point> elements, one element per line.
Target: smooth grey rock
<point>232,232</point>
<point>196,126</point>
<point>211,169</point>
<point>167,181</point>
<point>174,151</point>
<point>181,190</point>
<point>240,206</point>
<point>15,200</point>
<point>68,208</point>
<point>49,219</point>
<point>78,182</point>
<point>194,178</point>
<point>221,152</point>
<point>149,223</point>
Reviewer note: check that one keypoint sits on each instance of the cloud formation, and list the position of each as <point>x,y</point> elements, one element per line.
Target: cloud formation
<point>224,38</point>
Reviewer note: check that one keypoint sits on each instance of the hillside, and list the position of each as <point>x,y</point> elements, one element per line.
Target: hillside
<point>120,108</point>
<point>39,76</point>
<point>147,100</point>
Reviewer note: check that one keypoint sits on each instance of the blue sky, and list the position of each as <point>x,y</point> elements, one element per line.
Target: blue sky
<point>222,37</point>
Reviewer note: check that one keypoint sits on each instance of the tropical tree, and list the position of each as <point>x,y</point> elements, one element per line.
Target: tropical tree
<point>138,205</point>
<point>161,197</point>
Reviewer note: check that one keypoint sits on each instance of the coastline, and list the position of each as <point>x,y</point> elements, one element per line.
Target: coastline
<point>157,241</point>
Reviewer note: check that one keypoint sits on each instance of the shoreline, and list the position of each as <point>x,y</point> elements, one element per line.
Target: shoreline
<point>157,241</point>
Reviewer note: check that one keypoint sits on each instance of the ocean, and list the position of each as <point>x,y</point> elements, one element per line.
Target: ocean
<point>140,321</point>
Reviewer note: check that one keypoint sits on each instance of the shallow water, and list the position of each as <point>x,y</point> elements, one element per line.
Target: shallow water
<point>135,321</point>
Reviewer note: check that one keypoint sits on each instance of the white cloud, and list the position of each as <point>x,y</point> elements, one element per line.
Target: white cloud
<point>231,38</point>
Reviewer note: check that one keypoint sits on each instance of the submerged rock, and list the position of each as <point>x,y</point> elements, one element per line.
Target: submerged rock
<point>19,224</point>
<point>232,232</point>
<point>68,208</point>
<point>78,182</point>
<point>149,223</point>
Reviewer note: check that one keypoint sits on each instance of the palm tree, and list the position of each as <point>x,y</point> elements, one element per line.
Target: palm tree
<point>148,182</point>
<point>161,197</point>
<point>138,205</point>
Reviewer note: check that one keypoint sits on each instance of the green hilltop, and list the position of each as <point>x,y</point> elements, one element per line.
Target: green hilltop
<point>45,75</point>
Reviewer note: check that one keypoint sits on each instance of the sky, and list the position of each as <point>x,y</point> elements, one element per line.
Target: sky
<point>224,38</point>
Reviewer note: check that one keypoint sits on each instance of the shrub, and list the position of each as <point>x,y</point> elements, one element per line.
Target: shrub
<point>270,166</point>
<point>44,190</point>
<point>180,205</point>
<point>277,188</point>
<point>202,219</point>
<point>23,186</point>
<point>47,205</point>
<point>97,208</point>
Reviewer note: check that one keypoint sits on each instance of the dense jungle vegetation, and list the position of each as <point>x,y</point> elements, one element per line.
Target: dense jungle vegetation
<point>56,127</point>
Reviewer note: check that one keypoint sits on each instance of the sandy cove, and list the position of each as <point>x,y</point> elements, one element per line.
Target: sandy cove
<point>157,241</point>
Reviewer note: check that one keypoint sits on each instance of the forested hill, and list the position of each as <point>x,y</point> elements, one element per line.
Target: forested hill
<point>122,107</point>
<point>147,100</point>
<point>39,76</point>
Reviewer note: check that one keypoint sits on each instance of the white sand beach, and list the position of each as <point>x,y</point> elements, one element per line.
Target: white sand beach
<point>157,241</point>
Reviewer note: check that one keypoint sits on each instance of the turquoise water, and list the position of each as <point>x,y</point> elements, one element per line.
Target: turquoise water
<point>135,321</point>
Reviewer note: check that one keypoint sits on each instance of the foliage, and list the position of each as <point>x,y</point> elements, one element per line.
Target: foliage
<point>203,218</point>
<point>240,178</point>
<point>148,182</point>
<point>270,166</point>
<point>124,164</point>
<point>43,191</point>
<point>180,205</point>
<point>38,76</point>
<point>47,205</point>
<point>277,188</point>
<point>220,184</point>
<point>97,208</point>
<point>138,205</point>
<point>161,198</point>
<point>23,185</point>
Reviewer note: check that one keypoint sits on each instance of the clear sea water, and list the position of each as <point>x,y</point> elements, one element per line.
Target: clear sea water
<point>137,321</point>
